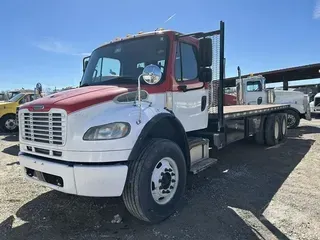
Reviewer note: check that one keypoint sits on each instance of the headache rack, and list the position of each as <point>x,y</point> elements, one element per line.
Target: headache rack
<point>216,86</point>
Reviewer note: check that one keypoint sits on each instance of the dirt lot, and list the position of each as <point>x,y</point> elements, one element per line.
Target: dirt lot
<point>253,193</point>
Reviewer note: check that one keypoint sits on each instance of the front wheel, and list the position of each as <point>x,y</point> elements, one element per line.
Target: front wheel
<point>293,119</point>
<point>8,123</point>
<point>156,181</point>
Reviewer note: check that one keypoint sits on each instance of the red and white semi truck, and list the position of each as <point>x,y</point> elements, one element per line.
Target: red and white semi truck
<point>148,110</point>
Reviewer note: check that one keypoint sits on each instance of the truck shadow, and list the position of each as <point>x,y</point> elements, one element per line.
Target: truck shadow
<point>12,150</point>
<point>10,137</point>
<point>245,179</point>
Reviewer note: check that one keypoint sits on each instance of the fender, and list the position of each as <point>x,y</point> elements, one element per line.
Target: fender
<point>293,109</point>
<point>162,125</point>
<point>8,114</point>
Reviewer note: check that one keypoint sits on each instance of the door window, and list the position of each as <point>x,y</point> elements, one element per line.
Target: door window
<point>106,67</point>
<point>186,65</point>
<point>25,99</point>
<point>254,86</point>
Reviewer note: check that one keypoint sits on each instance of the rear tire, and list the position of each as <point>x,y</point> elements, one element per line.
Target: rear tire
<point>260,136</point>
<point>272,130</point>
<point>160,167</point>
<point>293,119</point>
<point>284,126</point>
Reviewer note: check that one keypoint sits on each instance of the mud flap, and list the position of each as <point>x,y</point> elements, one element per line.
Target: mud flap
<point>308,113</point>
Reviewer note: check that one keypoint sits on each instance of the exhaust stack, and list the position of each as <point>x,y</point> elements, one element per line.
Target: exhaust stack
<point>239,86</point>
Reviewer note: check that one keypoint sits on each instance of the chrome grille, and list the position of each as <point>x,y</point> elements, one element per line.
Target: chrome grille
<point>44,127</point>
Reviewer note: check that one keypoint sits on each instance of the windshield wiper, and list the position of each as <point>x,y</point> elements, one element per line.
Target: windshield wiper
<point>84,85</point>
<point>114,80</point>
<point>119,79</point>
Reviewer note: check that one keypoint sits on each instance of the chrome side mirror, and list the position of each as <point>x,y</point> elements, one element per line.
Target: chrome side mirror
<point>85,62</point>
<point>152,74</point>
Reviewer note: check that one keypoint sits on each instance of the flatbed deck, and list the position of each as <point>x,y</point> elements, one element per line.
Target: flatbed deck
<point>247,110</point>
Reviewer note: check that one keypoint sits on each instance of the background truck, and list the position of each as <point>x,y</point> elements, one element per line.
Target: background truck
<point>315,105</point>
<point>252,90</point>
<point>37,94</point>
<point>8,110</point>
<point>148,110</point>
<point>3,97</point>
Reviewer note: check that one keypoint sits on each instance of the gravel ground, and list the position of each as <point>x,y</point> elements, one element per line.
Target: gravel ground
<point>254,192</point>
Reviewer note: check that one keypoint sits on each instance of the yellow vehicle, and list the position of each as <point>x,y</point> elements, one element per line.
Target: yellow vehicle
<point>8,110</point>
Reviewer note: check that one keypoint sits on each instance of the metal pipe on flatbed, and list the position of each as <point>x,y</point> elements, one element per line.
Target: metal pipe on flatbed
<point>239,86</point>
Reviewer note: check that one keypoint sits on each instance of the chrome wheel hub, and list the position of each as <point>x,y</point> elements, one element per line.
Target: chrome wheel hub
<point>10,124</point>
<point>164,180</point>
<point>291,120</point>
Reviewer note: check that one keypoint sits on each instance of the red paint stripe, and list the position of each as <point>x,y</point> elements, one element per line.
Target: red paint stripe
<point>76,99</point>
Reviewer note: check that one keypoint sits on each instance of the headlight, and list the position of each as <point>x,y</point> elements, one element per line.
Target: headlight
<point>107,131</point>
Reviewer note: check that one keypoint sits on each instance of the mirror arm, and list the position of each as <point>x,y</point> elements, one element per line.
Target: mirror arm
<point>139,99</point>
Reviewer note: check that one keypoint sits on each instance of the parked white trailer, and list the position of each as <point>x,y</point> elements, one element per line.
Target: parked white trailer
<point>113,137</point>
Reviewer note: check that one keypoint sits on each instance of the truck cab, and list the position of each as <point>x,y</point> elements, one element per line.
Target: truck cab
<point>255,92</point>
<point>315,104</point>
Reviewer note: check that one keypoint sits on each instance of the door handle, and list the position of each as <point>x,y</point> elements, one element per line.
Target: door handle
<point>203,103</point>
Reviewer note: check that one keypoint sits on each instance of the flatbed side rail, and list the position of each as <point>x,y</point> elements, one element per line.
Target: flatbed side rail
<point>247,113</point>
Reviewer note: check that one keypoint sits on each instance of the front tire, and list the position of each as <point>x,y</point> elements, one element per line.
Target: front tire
<point>8,123</point>
<point>156,181</point>
<point>293,119</point>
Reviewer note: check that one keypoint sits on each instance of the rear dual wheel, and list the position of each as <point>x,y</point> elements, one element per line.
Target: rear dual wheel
<point>273,130</point>
<point>284,126</point>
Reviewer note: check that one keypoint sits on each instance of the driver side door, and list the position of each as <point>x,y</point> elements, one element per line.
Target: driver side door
<point>254,93</point>
<point>189,95</point>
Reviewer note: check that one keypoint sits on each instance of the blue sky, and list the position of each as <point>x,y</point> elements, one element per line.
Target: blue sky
<point>44,41</point>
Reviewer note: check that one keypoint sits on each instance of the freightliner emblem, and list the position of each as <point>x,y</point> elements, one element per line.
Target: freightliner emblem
<point>38,107</point>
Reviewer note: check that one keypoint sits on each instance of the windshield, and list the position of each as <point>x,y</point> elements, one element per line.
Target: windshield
<point>123,62</point>
<point>16,97</point>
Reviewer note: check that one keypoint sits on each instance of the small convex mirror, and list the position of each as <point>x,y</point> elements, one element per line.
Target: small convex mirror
<point>151,74</point>
<point>38,88</point>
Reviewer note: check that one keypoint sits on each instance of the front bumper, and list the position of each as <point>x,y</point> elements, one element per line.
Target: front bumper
<point>316,110</point>
<point>80,156</point>
<point>78,179</point>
